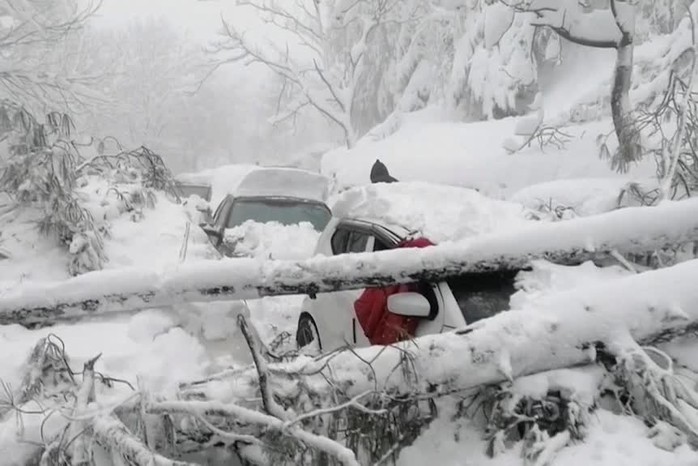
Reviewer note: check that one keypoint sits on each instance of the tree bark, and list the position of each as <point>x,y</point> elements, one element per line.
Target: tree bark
<point>631,230</point>
<point>564,330</point>
<point>629,148</point>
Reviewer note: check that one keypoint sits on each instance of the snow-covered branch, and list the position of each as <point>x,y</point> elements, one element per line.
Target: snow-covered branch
<point>577,327</point>
<point>612,27</point>
<point>249,416</point>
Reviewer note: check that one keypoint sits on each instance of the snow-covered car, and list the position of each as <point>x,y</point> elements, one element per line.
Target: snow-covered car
<point>285,197</point>
<point>195,189</point>
<point>378,218</point>
<point>329,321</point>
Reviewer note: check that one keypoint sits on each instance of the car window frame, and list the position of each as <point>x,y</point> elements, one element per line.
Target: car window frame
<point>220,217</point>
<point>233,200</point>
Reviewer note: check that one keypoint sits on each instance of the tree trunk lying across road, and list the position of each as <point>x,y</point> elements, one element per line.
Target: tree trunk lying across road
<point>560,331</point>
<point>631,230</point>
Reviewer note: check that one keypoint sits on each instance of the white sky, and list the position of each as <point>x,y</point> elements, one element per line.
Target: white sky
<point>201,19</point>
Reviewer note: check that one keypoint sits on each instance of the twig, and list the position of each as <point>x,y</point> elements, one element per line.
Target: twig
<point>113,435</point>
<point>79,450</point>
<point>353,403</point>
<point>212,408</point>
<point>254,343</point>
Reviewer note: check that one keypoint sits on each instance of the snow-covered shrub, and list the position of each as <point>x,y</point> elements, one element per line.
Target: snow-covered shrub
<point>41,167</point>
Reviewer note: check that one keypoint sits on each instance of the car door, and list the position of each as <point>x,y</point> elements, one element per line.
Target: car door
<point>383,240</point>
<point>335,311</point>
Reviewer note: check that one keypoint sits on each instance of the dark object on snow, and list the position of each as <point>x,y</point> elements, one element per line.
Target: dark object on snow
<point>379,173</point>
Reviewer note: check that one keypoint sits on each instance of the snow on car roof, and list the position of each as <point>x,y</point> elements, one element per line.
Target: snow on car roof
<point>438,212</point>
<point>201,178</point>
<point>287,182</point>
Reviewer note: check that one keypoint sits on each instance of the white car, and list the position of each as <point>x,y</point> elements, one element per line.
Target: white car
<point>328,321</point>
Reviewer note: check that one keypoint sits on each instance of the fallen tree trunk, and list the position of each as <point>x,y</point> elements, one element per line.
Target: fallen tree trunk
<point>562,331</point>
<point>631,230</point>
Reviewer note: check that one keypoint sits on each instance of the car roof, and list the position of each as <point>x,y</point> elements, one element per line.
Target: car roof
<point>283,182</point>
<point>398,230</point>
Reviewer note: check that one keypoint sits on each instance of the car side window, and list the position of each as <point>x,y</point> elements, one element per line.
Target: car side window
<point>346,240</point>
<point>380,245</point>
<point>482,295</point>
<point>357,241</point>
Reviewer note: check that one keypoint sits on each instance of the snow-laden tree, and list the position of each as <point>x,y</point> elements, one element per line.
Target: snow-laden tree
<point>31,75</point>
<point>476,58</point>
<point>318,48</point>
<point>609,26</point>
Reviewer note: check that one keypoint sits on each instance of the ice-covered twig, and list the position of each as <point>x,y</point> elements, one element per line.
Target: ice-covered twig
<point>351,404</point>
<point>114,436</point>
<point>658,394</point>
<point>212,408</point>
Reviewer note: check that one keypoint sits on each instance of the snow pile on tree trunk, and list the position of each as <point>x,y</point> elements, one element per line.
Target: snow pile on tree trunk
<point>440,213</point>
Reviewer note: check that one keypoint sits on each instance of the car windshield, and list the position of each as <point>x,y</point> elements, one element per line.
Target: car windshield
<point>481,295</point>
<point>188,190</point>
<point>284,211</point>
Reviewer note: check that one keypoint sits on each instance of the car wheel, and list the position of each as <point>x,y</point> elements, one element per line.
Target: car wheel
<point>307,337</point>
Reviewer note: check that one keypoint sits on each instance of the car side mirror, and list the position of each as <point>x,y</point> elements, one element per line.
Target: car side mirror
<point>409,304</point>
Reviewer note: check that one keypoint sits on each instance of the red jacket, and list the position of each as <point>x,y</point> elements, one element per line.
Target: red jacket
<point>380,326</point>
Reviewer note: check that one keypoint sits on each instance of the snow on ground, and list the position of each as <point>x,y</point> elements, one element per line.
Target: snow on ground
<point>612,440</point>
<point>200,337</point>
<point>156,239</point>
<point>441,213</point>
<point>471,155</point>
<point>143,345</point>
<point>33,256</point>
<point>583,196</point>
<point>273,240</point>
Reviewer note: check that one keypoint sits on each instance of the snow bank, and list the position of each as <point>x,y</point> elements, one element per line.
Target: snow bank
<point>156,239</point>
<point>441,213</point>
<point>273,240</point>
<point>546,278</point>
<point>471,155</point>
<point>139,346</point>
<point>34,257</point>
<point>584,196</point>
<point>612,440</point>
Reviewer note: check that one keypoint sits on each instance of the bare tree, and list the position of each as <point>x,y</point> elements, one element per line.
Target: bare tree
<point>323,62</point>
<point>29,34</point>
<point>611,27</point>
